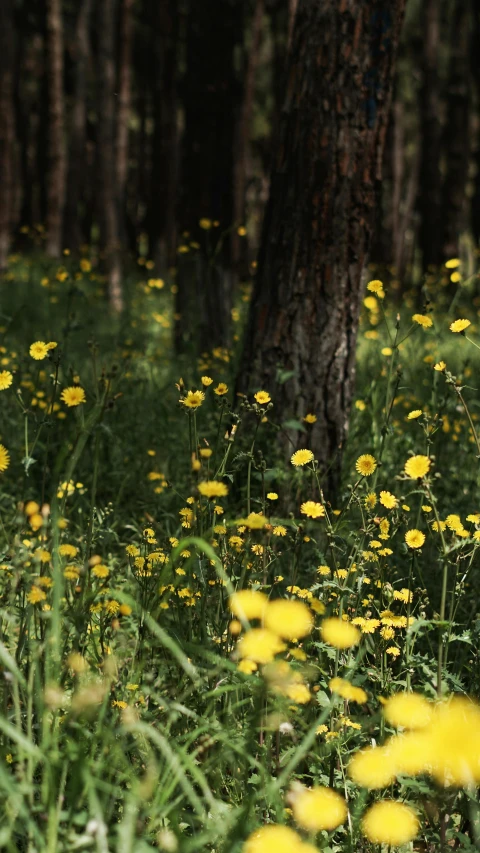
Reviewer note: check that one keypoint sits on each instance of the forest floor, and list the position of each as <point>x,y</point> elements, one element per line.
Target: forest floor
<point>185,667</point>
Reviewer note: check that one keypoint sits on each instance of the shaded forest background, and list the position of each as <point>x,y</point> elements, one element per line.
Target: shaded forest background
<point>126,124</point>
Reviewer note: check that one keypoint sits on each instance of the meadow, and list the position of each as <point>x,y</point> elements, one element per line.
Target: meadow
<point>200,649</point>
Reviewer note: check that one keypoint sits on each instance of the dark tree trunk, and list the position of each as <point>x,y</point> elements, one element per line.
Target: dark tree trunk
<point>124,103</point>
<point>457,131</point>
<point>78,130</point>
<point>7,127</point>
<point>211,100</point>
<point>319,218</point>
<point>475,66</point>
<point>163,195</point>
<point>56,129</point>
<point>243,139</point>
<point>107,198</point>
<point>430,184</point>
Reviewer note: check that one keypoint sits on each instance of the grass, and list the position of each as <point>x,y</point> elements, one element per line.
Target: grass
<point>145,704</point>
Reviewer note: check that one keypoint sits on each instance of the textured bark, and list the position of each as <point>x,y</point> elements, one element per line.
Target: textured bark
<point>164,181</point>
<point>243,138</point>
<point>430,184</point>
<point>57,161</point>
<point>107,198</point>
<point>457,131</point>
<point>78,129</point>
<point>124,97</point>
<point>7,127</point>
<point>319,218</point>
<point>212,97</point>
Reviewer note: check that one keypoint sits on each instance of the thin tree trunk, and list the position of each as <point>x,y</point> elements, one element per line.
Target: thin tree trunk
<point>292,11</point>
<point>106,152</point>
<point>163,196</point>
<point>7,127</point>
<point>457,131</point>
<point>124,98</point>
<point>475,66</point>
<point>78,130</point>
<point>56,129</point>
<point>430,186</point>
<point>301,335</point>
<point>243,135</point>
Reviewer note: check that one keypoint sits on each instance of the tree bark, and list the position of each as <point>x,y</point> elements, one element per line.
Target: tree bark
<point>457,132</point>
<point>164,183</point>
<point>212,99</point>
<point>319,219</point>
<point>124,99</point>
<point>108,212</point>
<point>7,127</point>
<point>243,138</point>
<point>78,130</point>
<point>430,184</point>
<point>475,65</point>
<point>56,129</point>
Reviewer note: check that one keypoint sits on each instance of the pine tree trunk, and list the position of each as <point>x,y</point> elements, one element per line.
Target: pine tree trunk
<point>78,130</point>
<point>163,197</point>
<point>108,212</point>
<point>430,185</point>
<point>7,127</point>
<point>241,157</point>
<point>457,131</point>
<point>124,98</point>
<point>319,219</point>
<point>212,97</point>
<point>56,129</point>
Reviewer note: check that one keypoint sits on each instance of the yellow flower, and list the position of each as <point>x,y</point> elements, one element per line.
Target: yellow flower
<point>454,741</point>
<point>262,397</point>
<point>417,466</point>
<point>416,413</point>
<point>318,808</point>
<point>221,389</point>
<point>247,667</point>
<point>360,405</point>
<point>38,350</point>
<point>272,496</point>
<point>460,325</point>
<point>440,365</point>
<point>205,224</point>
<point>347,690</point>
<point>376,287</point>
<point>275,839</point>
<point>206,381</point>
<point>422,320</point>
<point>452,264</point>
<point>372,768</point>
<point>312,509</point>
<point>288,619</point>
<point>260,645</point>
<point>254,521</point>
<point>340,634</point>
<point>4,458</point>
<point>248,604</point>
<point>366,464</point>
<point>409,710</point>
<point>310,419</point>
<point>193,399</point>
<point>393,651</point>
<point>6,379</point>
<point>73,396</point>
<point>36,595</point>
<point>388,822</point>
<point>302,457</point>
<point>213,489</point>
<point>414,538</point>
<point>100,571</point>
<point>388,500</point>
<point>387,351</point>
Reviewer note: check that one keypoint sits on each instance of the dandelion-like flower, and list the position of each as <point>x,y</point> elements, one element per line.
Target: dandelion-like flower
<point>414,538</point>
<point>318,808</point>
<point>192,399</point>
<point>288,619</point>
<point>312,509</point>
<point>366,464</point>
<point>213,489</point>
<point>460,325</point>
<point>4,458</point>
<point>389,822</point>
<point>6,379</point>
<point>302,457</point>
<point>38,350</point>
<point>73,396</point>
<point>340,634</point>
<point>376,287</point>
<point>422,320</point>
<point>417,466</point>
<point>262,397</point>
<point>388,500</point>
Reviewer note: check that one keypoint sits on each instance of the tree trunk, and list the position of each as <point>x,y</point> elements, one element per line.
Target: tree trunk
<point>7,127</point>
<point>430,185</point>
<point>162,201</point>
<point>108,212</point>
<point>301,335</point>
<point>475,65</point>
<point>78,130</point>
<point>56,129</point>
<point>457,131</point>
<point>124,99</point>
<point>243,138</point>
<point>212,96</point>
